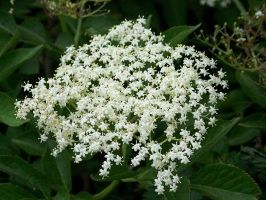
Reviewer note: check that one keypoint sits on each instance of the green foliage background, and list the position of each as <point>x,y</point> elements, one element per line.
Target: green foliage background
<point>230,166</point>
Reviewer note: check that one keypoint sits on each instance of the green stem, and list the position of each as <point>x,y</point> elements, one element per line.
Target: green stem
<point>240,7</point>
<point>63,24</point>
<point>106,191</point>
<point>78,30</point>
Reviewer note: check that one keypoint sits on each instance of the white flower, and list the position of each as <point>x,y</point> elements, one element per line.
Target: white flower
<point>242,39</point>
<point>11,11</point>
<point>119,89</point>
<point>27,87</point>
<point>211,3</point>
<point>259,14</point>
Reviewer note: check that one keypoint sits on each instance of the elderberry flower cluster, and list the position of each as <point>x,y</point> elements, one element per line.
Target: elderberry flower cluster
<point>128,87</point>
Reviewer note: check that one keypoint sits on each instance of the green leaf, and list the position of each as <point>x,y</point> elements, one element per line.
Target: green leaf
<point>235,100</point>
<point>82,196</point>
<point>29,142</point>
<point>220,194</point>
<point>30,67</point>
<point>59,169</point>
<point>21,8</point>
<point>254,121</point>
<point>255,4</point>
<point>144,176</point>
<point>230,15</point>
<point>11,61</point>
<point>4,36</point>
<point>11,43</point>
<point>225,182</point>
<point>30,199</point>
<point>64,40</point>
<point>182,192</point>
<point>127,152</point>
<point>62,196</point>
<point>150,194</point>
<point>7,111</point>
<point>11,192</point>
<point>17,167</point>
<point>178,34</point>
<point>213,136</point>
<point>106,191</point>
<point>135,8</point>
<point>7,23</point>
<point>117,172</point>
<point>98,24</point>
<point>240,135</point>
<point>252,89</point>
<point>6,147</point>
<point>33,31</point>
<point>175,11</point>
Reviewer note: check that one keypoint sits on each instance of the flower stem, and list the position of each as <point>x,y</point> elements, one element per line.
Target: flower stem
<point>240,7</point>
<point>78,30</point>
<point>63,24</point>
<point>106,191</point>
